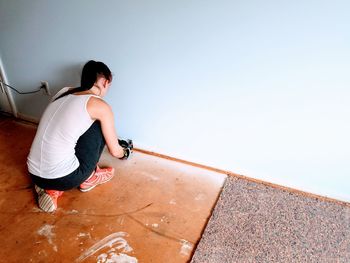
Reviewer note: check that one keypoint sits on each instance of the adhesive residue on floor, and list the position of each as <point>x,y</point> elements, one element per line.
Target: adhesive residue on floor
<point>118,247</point>
<point>115,258</point>
<point>46,231</point>
<point>186,247</point>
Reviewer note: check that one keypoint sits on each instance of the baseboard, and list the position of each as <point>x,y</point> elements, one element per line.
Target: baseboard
<point>6,113</point>
<point>244,177</point>
<point>229,173</point>
<point>27,118</point>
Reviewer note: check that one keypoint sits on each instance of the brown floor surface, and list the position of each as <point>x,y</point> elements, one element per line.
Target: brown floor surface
<point>153,210</point>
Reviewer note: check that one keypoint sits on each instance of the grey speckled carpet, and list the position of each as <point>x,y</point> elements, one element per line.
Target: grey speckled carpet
<point>256,223</point>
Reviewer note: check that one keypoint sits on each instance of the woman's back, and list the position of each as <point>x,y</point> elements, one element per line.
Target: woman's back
<point>52,154</point>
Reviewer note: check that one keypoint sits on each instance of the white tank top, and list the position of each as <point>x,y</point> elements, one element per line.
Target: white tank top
<point>52,154</point>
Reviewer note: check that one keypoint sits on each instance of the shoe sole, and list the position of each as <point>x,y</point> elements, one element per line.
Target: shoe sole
<point>92,187</point>
<point>45,202</point>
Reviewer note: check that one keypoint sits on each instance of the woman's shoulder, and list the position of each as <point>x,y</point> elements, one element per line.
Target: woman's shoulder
<point>98,108</point>
<point>96,101</point>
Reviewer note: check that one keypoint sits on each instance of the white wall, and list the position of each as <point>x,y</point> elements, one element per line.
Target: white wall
<point>260,88</point>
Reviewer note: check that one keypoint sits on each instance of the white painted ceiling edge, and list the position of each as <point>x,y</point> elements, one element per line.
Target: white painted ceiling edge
<point>257,88</point>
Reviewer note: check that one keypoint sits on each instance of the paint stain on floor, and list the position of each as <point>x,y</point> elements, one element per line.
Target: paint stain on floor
<point>117,247</point>
<point>153,210</point>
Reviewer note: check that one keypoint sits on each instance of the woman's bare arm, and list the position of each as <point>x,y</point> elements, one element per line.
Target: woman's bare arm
<point>100,110</point>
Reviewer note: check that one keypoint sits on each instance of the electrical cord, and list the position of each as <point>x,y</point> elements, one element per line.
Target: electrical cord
<point>19,92</point>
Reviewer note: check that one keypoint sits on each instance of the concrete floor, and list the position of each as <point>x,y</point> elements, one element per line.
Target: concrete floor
<point>153,210</point>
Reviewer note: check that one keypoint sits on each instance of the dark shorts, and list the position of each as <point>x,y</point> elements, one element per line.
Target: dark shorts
<point>88,151</point>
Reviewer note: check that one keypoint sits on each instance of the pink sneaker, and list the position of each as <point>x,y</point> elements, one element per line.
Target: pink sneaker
<point>100,176</point>
<point>47,199</point>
